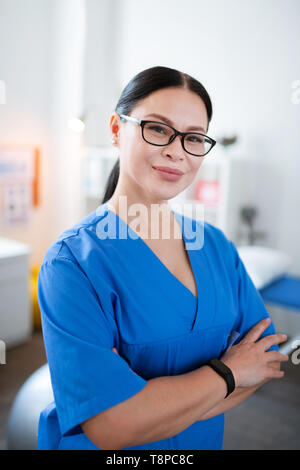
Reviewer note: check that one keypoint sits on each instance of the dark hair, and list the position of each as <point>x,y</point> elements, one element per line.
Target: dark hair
<point>142,85</point>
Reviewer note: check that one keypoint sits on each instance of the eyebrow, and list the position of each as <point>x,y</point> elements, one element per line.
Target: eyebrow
<point>159,116</point>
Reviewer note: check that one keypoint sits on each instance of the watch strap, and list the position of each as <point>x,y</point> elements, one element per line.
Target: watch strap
<point>224,371</point>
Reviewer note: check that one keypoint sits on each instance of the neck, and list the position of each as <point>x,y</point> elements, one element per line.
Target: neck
<point>155,219</point>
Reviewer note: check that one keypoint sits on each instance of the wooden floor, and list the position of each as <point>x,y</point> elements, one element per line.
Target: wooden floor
<point>269,419</point>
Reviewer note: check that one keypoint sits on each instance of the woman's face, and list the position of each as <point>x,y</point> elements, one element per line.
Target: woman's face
<point>182,109</point>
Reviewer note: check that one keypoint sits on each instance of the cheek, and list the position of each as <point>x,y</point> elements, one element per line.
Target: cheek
<point>194,168</point>
<point>139,160</point>
<point>197,162</point>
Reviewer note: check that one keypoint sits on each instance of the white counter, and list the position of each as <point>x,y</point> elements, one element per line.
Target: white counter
<point>15,306</point>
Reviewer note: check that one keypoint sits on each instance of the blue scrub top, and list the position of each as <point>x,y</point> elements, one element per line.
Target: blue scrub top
<point>96,293</point>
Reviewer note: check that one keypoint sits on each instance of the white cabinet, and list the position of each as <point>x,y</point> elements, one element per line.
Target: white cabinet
<point>224,184</point>
<point>15,307</point>
<point>97,165</point>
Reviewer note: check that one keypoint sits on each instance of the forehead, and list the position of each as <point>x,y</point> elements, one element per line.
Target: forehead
<point>183,107</point>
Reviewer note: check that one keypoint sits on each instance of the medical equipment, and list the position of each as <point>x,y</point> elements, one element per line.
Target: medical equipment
<point>280,291</point>
<point>34,395</point>
<point>282,298</point>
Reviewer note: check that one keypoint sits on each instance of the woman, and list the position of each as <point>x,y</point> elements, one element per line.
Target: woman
<point>130,322</point>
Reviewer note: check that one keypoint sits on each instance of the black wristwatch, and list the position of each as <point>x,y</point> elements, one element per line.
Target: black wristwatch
<point>224,372</point>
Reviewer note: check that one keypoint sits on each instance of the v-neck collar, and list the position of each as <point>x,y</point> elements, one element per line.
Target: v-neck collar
<point>180,220</point>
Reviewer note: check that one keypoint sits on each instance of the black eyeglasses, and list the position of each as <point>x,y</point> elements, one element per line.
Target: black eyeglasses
<point>160,134</point>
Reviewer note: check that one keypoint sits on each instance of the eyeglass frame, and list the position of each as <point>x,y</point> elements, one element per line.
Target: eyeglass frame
<point>173,137</point>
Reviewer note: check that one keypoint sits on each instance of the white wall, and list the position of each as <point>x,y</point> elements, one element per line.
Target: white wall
<point>41,53</point>
<point>24,66</point>
<point>247,56</point>
<point>67,36</point>
<point>245,53</point>
<point>101,68</point>
<point>59,59</point>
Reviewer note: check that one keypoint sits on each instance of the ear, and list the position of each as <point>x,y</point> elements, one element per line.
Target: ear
<point>114,124</point>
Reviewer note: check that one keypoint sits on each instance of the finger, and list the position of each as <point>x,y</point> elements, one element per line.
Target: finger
<point>276,356</point>
<point>256,331</point>
<point>275,373</point>
<point>271,340</point>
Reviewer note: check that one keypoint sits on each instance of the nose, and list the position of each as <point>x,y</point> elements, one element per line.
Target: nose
<point>174,148</point>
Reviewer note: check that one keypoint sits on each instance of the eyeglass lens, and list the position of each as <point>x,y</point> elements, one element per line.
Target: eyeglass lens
<point>159,134</point>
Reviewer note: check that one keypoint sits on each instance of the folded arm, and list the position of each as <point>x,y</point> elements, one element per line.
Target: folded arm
<point>235,398</point>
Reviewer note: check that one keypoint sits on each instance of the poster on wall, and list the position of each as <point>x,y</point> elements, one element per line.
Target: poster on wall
<point>18,184</point>
<point>17,203</point>
<point>208,192</point>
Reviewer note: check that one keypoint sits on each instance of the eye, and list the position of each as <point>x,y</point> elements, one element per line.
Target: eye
<point>195,139</point>
<point>156,128</point>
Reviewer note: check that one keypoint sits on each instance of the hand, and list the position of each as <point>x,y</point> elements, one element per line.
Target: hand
<point>249,361</point>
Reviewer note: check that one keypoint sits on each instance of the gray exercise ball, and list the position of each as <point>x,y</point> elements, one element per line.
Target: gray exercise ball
<point>34,395</point>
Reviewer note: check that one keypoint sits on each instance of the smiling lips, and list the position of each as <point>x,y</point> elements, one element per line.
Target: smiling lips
<point>167,169</point>
<point>167,173</point>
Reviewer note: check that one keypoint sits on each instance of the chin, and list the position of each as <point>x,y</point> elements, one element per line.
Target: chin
<point>166,195</point>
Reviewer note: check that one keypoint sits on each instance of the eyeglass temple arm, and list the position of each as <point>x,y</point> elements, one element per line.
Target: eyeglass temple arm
<point>129,118</point>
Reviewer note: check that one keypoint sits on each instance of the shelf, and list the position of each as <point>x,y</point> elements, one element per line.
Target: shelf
<point>93,194</point>
<point>234,182</point>
<point>100,153</point>
<point>97,165</point>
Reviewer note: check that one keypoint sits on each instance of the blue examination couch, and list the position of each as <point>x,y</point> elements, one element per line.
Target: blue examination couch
<point>284,291</point>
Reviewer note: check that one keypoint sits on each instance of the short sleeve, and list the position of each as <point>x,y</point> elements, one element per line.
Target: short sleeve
<point>87,376</point>
<point>250,305</point>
